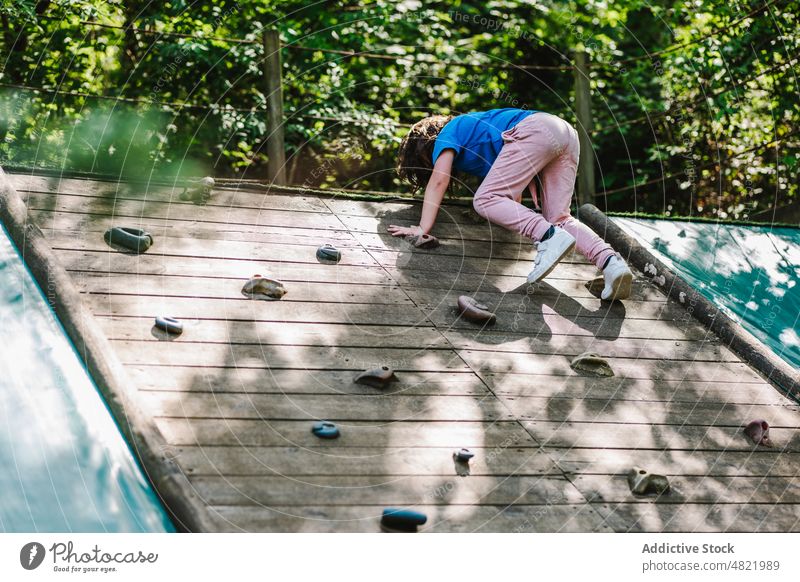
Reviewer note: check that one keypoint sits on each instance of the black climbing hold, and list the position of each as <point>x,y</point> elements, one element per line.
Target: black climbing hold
<point>591,363</point>
<point>423,241</point>
<point>402,520</point>
<point>258,287</point>
<point>133,239</point>
<point>463,455</point>
<point>643,482</point>
<point>325,430</point>
<point>169,325</point>
<point>376,377</point>
<point>328,253</point>
<point>474,311</point>
<point>758,432</point>
<point>596,286</point>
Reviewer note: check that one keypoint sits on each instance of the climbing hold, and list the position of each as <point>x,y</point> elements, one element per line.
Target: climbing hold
<point>591,363</point>
<point>423,241</point>
<point>682,297</point>
<point>169,325</point>
<point>376,377</point>
<point>642,482</point>
<point>463,455</point>
<point>328,253</point>
<point>596,286</point>
<point>199,191</point>
<point>259,287</point>
<point>474,311</point>
<point>650,269</point>
<point>325,430</point>
<point>660,280</point>
<point>133,239</point>
<point>758,432</point>
<point>402,520</point>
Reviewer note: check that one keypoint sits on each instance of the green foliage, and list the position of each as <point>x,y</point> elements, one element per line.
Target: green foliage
<point>709,106</point>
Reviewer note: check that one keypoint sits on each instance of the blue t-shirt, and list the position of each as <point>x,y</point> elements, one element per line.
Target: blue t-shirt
<point>477,138</point>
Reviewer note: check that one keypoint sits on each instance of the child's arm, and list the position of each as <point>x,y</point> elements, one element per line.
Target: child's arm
<point>434,194</point>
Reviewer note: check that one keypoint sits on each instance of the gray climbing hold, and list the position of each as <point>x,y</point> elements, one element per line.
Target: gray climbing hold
<point>463,455</point>
<point>758,432</point>
<point>643,482</point>
<point>596,286</point>
<point>198,191</point>
<point>376,377</point>
<point>423,241</point>
<point>471,310</point>
<point>328,253</point>
<point>591,363</point>
<point>258,287</point>
<point>169,325</point>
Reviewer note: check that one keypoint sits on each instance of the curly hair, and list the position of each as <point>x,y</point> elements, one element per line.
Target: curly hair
<point>415,158</point>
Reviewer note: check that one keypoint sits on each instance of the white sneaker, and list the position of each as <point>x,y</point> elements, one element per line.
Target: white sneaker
<point>550,252</point>
<point>618,280</point>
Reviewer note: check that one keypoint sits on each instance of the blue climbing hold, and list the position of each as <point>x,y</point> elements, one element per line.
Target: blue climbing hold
<point>325,430</point>
<point>169,325</point>
<point>402,520</point>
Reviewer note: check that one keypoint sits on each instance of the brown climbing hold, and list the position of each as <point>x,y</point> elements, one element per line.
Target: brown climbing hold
<point>596,286</point>
<point>758,432</point>
<point>423,241</point>
<point>642,482</point>
<point>591,363</point>
<point>376,377</point>
<point>474,311</point>
<point>259,287</point>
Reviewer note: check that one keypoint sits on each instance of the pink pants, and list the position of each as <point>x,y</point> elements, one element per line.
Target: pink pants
<point>546,146</point>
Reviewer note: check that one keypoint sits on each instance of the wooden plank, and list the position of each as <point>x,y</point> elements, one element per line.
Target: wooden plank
<point>283,357</point>
<point>255,381</point>
<point>243,432</point>
<point>223,197</point>
<point>247,310</point>
<point>222,288</point>
<point>217,249</point>
<point>452,518</point>
<point>146,209</point>
<point>343,408</point>
<point>393,462</point>
<point>542,365</point>
<point>657,437</point>
<point>641,390</point>
<point>92,225</point>
<point>728,517</point>
<point>264,333</point>
<point>514,303</point>
<point>485,339</point>
<point>389,491</point>
<point>631,412</point>
<point>756,462</point>
<point>114,262</point>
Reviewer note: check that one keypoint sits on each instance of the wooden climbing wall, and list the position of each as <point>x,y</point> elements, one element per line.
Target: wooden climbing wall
<point>236,394</point>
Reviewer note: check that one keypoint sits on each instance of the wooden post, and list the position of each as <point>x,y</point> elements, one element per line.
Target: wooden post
<point>276,164</point>
<point>583,109</point>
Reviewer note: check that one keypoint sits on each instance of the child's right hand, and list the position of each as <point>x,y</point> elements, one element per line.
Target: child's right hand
<point>395,230</point>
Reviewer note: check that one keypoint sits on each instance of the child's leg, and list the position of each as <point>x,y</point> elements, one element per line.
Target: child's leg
<point>558,183</point>
<point>519,161</point>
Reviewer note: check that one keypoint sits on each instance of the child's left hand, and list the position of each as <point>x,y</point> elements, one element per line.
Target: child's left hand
<point>395,230</point>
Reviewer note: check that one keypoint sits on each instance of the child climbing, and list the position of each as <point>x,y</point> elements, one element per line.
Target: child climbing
<point>511,149</point>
